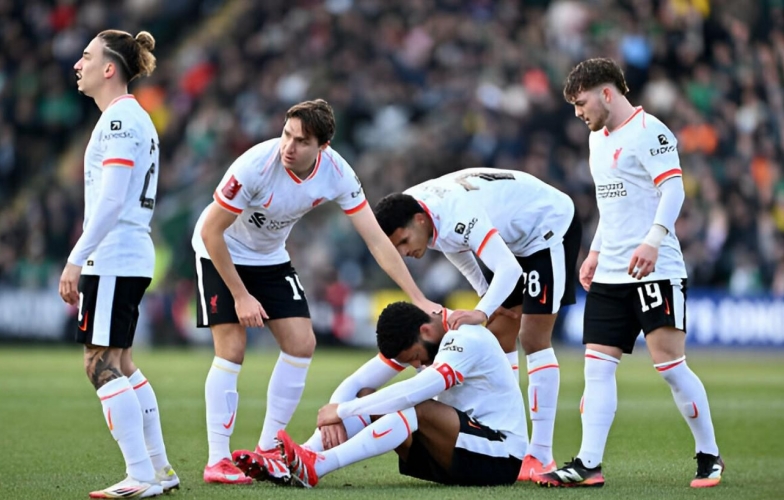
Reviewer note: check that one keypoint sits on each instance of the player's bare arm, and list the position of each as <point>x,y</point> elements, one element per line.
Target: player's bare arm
<point>388,258</point>
<point>249,311</point>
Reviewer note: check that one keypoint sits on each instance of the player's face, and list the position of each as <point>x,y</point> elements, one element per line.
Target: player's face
<point>90,68</point>
<point>410,241</point>
<point>420,354</point>
<point>591,107</point>
<point>297,152</point>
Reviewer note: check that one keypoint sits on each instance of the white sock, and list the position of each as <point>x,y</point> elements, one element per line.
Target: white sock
<point>124,418</point>
<point>598,406</point>
<point>283,394</point>
<point>220,395</point>
<point>544,378</point>
<point>514,360</point>
<point>352,424</point>
<point>153,436</point>
<point>383,435</point>
<point>692,401</point>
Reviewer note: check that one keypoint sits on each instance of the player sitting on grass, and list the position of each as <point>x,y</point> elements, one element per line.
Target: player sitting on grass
<point>459,421</point>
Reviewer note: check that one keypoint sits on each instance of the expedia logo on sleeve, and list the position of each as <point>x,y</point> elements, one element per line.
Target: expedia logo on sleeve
<point>467,233</point>
<point>666,147</point>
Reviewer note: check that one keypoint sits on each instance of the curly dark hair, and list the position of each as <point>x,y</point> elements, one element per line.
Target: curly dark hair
<point>396,210</point>
<point>592,73</point>
<point>318,119</point>
<point>398,328</point>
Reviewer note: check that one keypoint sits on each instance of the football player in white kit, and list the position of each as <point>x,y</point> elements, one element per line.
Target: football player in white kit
<point>459,421</point>
<point>112,264</point>
<point>528,234</point>
<point>246,278</point>
<point>634,274</point>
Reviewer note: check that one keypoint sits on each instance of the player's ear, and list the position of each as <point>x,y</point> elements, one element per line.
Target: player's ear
<point>607,94</point>
<point>109,70</point>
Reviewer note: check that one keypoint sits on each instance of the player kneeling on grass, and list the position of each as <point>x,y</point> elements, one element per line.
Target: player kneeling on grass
<point>459,421</point>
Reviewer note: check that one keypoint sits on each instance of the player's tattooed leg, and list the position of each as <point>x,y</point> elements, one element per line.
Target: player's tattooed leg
<point>102,365</point>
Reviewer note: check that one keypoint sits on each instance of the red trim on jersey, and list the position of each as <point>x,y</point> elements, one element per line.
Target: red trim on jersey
<point>484,241</point>
<point>225,205</point>
<point>391,363</point>
<point>117,161</point>
<point>334,164</point>
<point>312,174</point>
<point>636,112</point>
<point>352,211</point>
<point>675,172</point>
<point>125,96</point>
<point>432,222</point>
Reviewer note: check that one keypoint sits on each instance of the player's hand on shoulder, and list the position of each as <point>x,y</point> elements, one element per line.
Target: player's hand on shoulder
<point>333,435</point>
<point>69,284</point>
<point>328,415</point>
<point>463,317</point>
<point>643,261</point>
<point>249,311</point>
<point>588,269</point>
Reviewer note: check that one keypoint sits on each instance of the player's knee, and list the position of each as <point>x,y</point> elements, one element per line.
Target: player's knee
<point>535,339</point>
<point>365,391</point>
<point>303,346</point>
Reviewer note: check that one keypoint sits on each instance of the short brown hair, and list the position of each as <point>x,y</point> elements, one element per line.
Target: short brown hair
<point>592,73</point>
<point>133,55</point>
<point>318,119</point>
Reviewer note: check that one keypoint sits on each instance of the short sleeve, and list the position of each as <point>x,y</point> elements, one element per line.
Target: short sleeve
<point>121,141</point>
<point>658,153</point>
<point>351,196</point>
<point>236,189</point>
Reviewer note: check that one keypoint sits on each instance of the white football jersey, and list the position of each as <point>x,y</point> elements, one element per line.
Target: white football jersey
<point>627,166</point>
<point>269,199</point>
<point>469,205</point>
<point>124,135</point>
<point>480,381</point>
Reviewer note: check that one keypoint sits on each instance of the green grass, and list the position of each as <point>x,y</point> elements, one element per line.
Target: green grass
<point>55,443</point>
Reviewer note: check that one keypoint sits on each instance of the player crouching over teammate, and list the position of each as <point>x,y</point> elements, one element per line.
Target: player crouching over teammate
<point>459,421</point>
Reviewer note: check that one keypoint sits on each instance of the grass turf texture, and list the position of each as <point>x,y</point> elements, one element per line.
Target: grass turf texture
<point>55,443</point>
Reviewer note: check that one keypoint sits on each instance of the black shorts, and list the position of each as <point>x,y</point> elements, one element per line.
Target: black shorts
<point>276,287</point>
<point>469,468</point>
<point>615,314</point>
<point>109,309</point>
<point>549,276</point>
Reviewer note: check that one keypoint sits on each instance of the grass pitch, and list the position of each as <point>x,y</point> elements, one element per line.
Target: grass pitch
<point>55,443</point>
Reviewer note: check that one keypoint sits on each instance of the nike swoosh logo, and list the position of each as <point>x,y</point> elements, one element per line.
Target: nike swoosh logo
<point>231,421</point>
<point>267,204</point>
<point>666,307</point>
<point>696,412</point>
<point>83,326</point>
<point>471,424</point>
<point>109,418</point>
<point>381,434</point>
<point>543,300</point>
<point>535,406</point>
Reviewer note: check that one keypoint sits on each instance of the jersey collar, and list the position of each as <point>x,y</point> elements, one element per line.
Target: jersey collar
<point>312,174</point>
<point>120,98</point>
<point>637,111</point>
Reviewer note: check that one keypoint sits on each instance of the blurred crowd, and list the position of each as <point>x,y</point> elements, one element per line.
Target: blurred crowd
<point>420,88</point>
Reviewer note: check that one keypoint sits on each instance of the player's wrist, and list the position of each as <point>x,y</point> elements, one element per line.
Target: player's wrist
<point>655,236</point>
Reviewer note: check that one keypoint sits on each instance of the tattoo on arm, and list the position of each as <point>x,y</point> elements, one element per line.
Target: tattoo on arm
<point>102,369</point>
